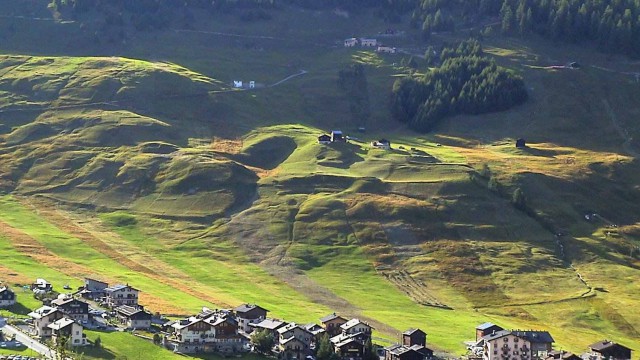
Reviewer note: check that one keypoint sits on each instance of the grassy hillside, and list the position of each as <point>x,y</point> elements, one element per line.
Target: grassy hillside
<point>137,162</point>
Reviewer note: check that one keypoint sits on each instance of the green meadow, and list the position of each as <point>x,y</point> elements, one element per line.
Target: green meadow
<point>139,164</point>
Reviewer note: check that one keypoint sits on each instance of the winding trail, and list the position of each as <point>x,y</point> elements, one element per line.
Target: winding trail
<point>302,72</point>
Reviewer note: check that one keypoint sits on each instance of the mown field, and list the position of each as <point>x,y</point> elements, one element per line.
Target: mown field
<point>138,163</point>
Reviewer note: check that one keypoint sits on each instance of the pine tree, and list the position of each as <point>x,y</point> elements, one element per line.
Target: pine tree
<point>325,349</point>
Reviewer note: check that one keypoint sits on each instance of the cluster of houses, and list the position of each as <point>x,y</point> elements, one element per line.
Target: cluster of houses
<point>495,343</point>
<point>68,314</point>
<point>229,331</point>
<point>369,43</point>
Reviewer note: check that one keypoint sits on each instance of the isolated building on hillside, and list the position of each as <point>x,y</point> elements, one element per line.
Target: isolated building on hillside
<point>247,314</point>
<point>133,317</point>
<point>7,297</point>
<point>119,295</point>
<point>386,49</point>
<point>382,144</point>
<point>350,42</point>
<point>366,42</point>
<point>72,308</point>
<point>324,139</point>
<point>486,329</point>
<point>42,317</point>
<point>336,135</point>
<point>607,349</point>
<point>69,329</point>
<point>332,323</point>
<point>521,143</point>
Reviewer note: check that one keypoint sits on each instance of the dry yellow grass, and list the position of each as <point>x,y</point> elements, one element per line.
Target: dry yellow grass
<point>229,146</point>
<point>153,268</point>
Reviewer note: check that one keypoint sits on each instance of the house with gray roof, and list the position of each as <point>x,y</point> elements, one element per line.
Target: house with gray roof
<point>119,295</point>
<point>7,297</point>
<point>133,317</point>
<point>247,314</point>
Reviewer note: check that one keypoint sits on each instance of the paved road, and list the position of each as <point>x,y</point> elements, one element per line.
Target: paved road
<point>31,343</point>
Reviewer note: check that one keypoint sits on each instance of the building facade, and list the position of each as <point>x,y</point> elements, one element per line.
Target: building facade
<point>119,295</point>
<point>248,314</point>
<point>72,308</point>
<point>69,329</point>
<point>7,297</point>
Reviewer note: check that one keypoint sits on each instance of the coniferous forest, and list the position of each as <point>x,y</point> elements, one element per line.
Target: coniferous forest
<point>613,25</point>
<point>466,83</point>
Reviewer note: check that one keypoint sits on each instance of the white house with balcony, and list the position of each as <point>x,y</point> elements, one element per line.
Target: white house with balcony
<point>42,317</point>
<point>69,329</point>
<point>119,295</point>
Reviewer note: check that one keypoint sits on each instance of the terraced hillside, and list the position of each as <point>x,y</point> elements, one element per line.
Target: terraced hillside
<point>157,173</point>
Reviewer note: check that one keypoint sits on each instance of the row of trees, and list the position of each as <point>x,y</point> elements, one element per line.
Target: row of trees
<point>466,83</point>
<point>614,25</point>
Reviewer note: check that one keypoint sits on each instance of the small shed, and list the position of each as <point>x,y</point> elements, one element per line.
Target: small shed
<point>324,139</point>
<point>382,144</point>
<point>386,49</point>
<point>336,135</point>
<point>351,42</point>
<point>365,42</point>
<point>521,143</point>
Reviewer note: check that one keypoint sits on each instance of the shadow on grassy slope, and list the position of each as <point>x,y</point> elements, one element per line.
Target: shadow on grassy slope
<point>268,153</point>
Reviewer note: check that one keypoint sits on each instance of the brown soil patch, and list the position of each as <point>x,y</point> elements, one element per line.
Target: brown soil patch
<point>229,146</point>
<point>10,277</point>
<point>33,249</point>
<point>162,273</point>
